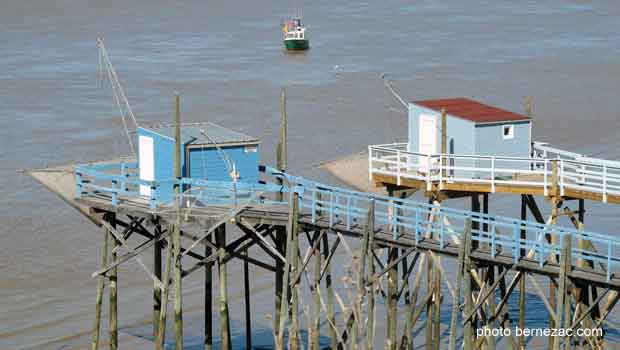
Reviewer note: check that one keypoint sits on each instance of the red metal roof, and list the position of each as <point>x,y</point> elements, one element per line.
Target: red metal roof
<point>472,110</point>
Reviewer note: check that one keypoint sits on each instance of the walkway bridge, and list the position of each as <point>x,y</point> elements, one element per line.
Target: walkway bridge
<point>273,214</point>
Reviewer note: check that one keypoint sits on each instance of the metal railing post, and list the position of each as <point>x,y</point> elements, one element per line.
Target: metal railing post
<point>604,184</point>
<point>561,177</point>
<point>369,163</point>
<point>545,176</point>
<point>428,173</point>
<point>493,174</point>
<point>398,167</point>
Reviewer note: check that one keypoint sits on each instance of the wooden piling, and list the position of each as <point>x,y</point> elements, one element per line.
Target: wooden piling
<point>248,311</point>
<point>280,232</point>
<point>294,308</point>
<point>563,303</point>
<point>220,240</point>
<point>370,328</point>
<point>176,233</point>
<point>468,330</point>
<point>208,342</point>
<point>460,268</point>
<point>99,298</point>
<point>161,332</point>
<point>113,290</point>
<point>329,289</point>
<point>521,343</point>
<point>553,240</point>
<point>292,230</point>
<point>157,248</point>
<point>316,327</point>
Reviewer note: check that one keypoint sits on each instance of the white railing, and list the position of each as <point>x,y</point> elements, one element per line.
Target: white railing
<point>574,171</point>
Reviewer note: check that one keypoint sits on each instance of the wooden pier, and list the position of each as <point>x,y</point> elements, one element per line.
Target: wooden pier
<point>397,251</point>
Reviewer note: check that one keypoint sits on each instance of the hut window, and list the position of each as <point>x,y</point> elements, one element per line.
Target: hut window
<point>251,149</point>
<point>508,132</point>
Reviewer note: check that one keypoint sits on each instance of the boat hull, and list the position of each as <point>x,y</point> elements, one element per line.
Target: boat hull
<point>297,44</point>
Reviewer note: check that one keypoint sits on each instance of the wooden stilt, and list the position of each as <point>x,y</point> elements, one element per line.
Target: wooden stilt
<point>161,333</point>
<point>280,243</point>
<point>563,303</point>
<point>208,343</point>
<point>553,240</point>
<point>113,290</point>
<point>522,280</point>
<point>491,308</point>
<point>392,307</point>
<point>294,308</point>
<point>99,300</point>
<point>292,230</point>
<point>220,240</point>
<point>468,330</point>
<point>248,311</point>
<point>316,327</point>
<point>460,268</point>
<point>329,289</point>
<point>157,248</point>
<point>176,233</point>
<point>428,335</point>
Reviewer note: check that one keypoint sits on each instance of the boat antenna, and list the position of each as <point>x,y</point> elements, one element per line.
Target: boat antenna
<point>119,94</point>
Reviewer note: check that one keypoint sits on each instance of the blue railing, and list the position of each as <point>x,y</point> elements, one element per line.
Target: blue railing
<point>404,219</point>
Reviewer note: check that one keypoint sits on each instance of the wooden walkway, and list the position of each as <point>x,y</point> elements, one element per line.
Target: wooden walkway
<point>575,176</point>
<point>396,238</point>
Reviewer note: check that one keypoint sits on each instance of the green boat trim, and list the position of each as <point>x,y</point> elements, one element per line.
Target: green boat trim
<point>297,44</point>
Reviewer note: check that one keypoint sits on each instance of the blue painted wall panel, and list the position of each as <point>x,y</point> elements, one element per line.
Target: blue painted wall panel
<point>207,163</point>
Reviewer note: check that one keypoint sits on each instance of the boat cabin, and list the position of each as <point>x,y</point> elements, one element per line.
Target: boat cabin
<point>209,152</point>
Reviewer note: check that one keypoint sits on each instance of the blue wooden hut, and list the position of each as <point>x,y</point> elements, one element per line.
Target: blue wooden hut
<point>472,128</point>
<point>208,152</point>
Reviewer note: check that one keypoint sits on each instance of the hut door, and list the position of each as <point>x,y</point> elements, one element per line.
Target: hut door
<point>147,163</point>
<point>428,138</point>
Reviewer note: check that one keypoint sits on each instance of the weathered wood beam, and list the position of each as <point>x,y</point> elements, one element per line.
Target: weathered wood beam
<point>99,298</point>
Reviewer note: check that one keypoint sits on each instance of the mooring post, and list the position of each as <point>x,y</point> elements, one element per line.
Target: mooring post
<point>220,240</point>
<point>468,329</point>
<point>157,247</point>
<point>161,332</point>
<point>208,299</point>
<point>248,311</point>
<point>176,233</point>
<point>113,277</point>
<point>100,289</point>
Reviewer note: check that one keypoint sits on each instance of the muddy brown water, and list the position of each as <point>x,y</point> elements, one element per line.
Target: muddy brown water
<point>227,62</point>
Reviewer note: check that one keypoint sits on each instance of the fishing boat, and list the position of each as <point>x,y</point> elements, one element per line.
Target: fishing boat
<point>294,35</point>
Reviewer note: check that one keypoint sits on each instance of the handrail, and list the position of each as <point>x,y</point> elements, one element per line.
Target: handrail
<point>575,172</point>
<point>403,219</point>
